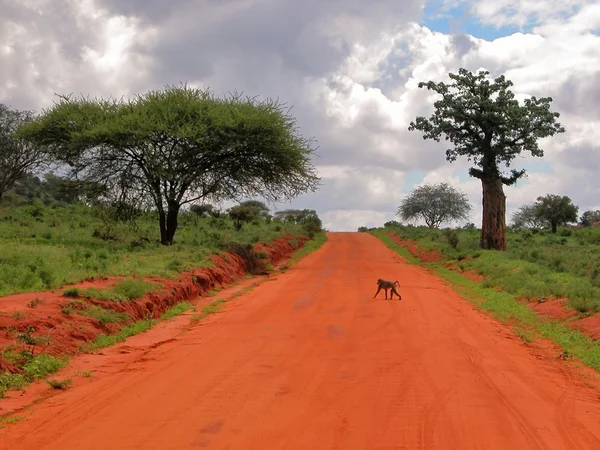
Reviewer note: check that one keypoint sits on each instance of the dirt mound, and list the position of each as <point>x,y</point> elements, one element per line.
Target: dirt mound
<point>57,319</point>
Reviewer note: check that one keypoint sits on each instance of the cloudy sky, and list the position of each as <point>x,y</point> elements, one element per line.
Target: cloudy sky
<point>349,68</point>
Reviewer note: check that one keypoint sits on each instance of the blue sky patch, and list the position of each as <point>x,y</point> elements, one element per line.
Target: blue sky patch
<point>459,20</point>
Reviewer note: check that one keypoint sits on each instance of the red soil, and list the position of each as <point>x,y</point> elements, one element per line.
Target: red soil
<point>554,308</point>
<point>67,332</point>
<point>310,360</point>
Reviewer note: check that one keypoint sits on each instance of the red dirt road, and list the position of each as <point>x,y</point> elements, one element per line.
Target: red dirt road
<point>310,361</point>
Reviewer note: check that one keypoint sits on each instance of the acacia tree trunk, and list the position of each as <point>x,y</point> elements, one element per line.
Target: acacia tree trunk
<point>168,223</point>
<point>493,227</point>
<point>554,224</point>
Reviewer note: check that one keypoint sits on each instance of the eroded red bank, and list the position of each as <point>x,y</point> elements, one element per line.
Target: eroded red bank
<point>67,332</point>
<point>555,308</point>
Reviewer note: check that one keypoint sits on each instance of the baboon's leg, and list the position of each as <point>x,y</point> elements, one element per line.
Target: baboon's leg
<point>378,289</point>
<point>394,291</point>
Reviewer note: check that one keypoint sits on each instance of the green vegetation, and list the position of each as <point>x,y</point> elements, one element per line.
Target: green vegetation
<point>33,367</point>
<point>10,419</point>
<point>126,289</point>
<point>60,384</point>
<point>44,247</point>
<point>168,148</point>
<point>536,266</point>
<point>104,315</point>
<point>104,340</point>
<point>177,310</point>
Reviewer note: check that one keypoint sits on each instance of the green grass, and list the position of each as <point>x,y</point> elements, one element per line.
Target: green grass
<point>33,367</point>
<point>104,315</point>
<point>504,306</point>
<point>105,340</point>
<point>124,290</point>
<point>45,247</point>
<point>177,310</point>
<point>60,384</point>
<point>6,420</point>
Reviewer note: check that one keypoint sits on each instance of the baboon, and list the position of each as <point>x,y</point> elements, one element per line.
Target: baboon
<point>385,284</point>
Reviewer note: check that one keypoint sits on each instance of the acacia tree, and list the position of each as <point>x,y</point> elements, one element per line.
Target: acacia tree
<point>179,145</point>
<point>527,216</point>
<point>17,156</point>
<point>487,124</point>
<point>556,210</point>
<point>590,218</point>
<point>435,204</point>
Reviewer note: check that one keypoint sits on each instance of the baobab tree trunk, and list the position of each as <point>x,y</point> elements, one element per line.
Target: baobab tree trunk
<point>493,227</point>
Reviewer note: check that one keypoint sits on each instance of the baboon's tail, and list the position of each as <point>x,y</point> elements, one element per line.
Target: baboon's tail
<point>396,282</point>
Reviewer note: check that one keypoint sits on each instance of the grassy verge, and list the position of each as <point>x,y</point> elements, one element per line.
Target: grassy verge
<point>124,290</point>
<point>177,310</point>
<point>505,307</point>
<point>105,340</point>
<point>45,247</point>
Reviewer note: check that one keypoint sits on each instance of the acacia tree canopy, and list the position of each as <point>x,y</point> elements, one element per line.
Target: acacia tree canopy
<point>527,216</point>
<point>435,204</point>
<point>174,146</point>
<point>17,156</point>
<point>488,126</point>
<point>556,209</point>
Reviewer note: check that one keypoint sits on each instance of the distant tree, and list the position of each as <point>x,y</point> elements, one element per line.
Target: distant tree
<point>487,124</point>
<point>240,214</point>
<point>296,216</point>
<point>308,218</point>
<point>363,229</point>
<point>590,218</point>
<point>204,209</point>
<point>260,209</point>
<point>556,209</point>
<point>469,226</point>
<point>435,204</point>
<point>17,156</point>
<point>392,224</point>
<point>527,216</point>
<point>177,146</point>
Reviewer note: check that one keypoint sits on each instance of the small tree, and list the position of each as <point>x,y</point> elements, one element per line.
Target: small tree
<point>590,218</point>
<point>556,210</point>
<point>240,214</point>
<point>179,145</point>
<point>203,209</point>
<point>435,204</point>
<point>17,156</point>
<point>260,209</point>
<point>487,124</point>
<point>527,217</point>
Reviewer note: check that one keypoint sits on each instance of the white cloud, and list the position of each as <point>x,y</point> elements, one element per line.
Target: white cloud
<point>350,69</point>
